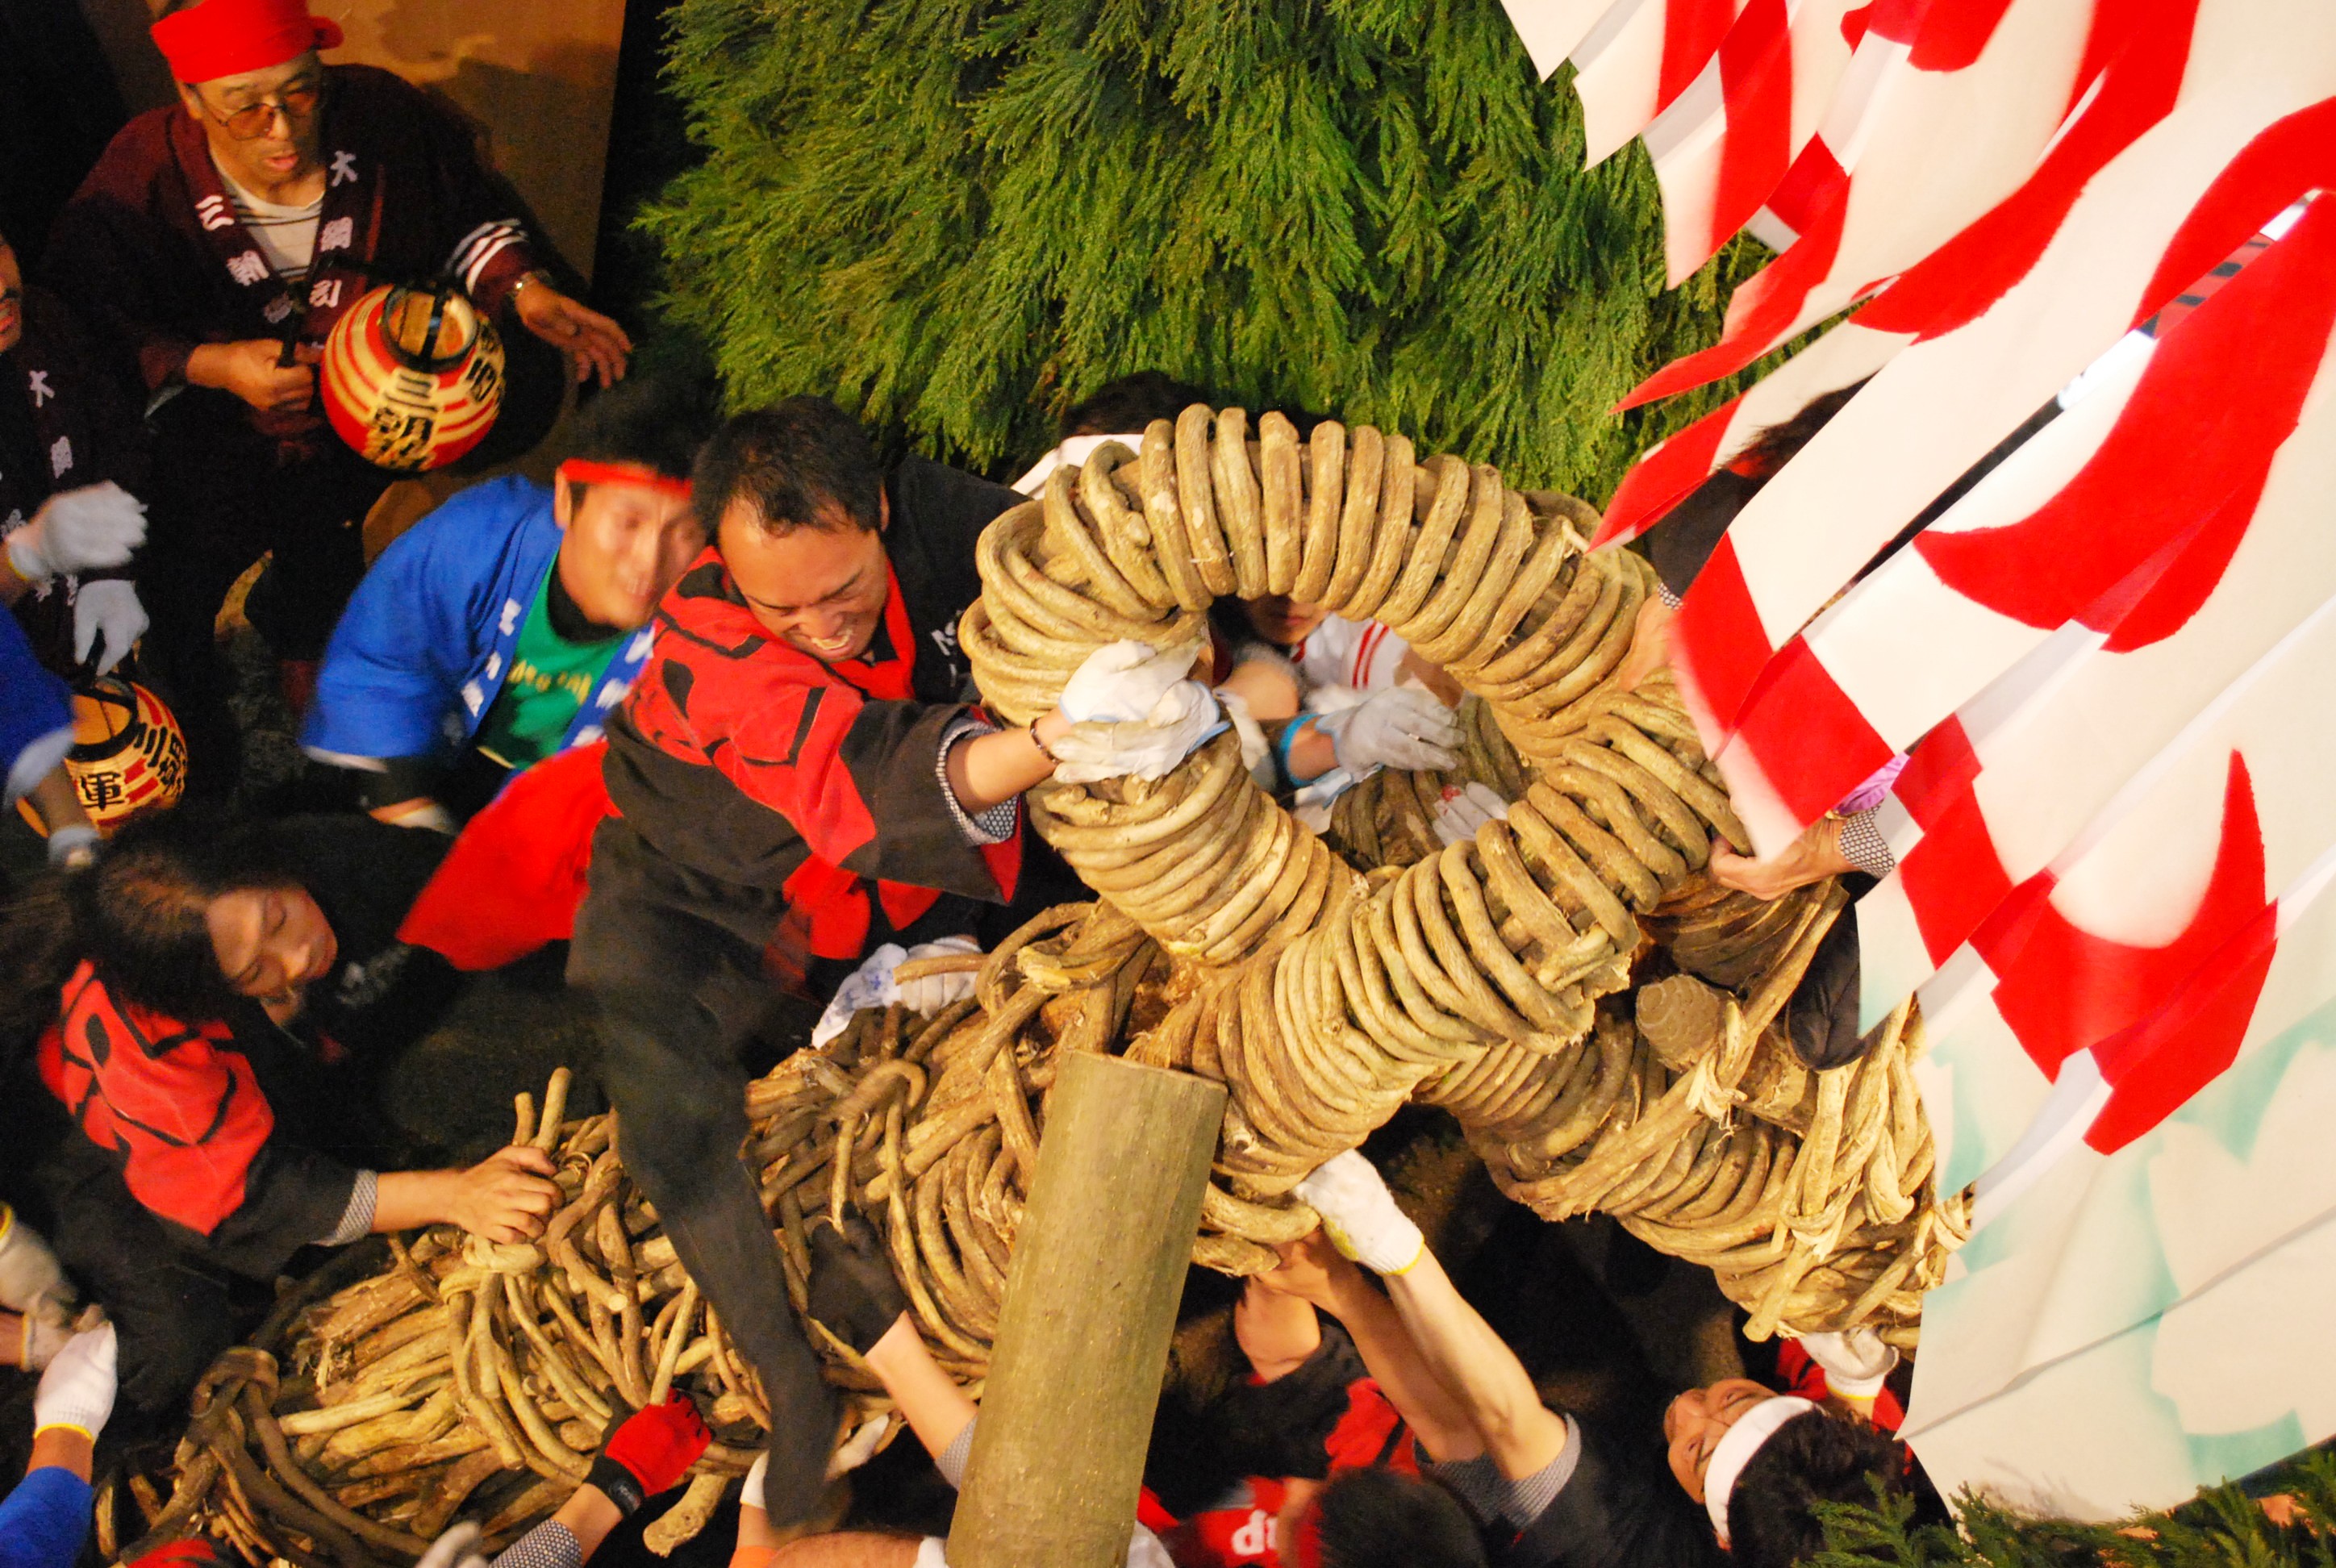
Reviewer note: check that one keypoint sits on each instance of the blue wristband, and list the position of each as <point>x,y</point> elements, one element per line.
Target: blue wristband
<point>1283,742</point>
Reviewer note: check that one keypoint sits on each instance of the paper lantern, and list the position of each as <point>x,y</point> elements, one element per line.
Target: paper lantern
<point>412,376</point>
<point>128,756</point>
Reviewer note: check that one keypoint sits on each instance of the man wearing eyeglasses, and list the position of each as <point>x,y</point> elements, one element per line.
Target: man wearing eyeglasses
<point>212,249</point>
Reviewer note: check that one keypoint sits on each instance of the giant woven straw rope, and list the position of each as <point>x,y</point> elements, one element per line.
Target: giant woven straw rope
<point>1489,979</point>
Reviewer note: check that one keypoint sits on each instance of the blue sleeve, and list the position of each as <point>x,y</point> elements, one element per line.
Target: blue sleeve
<point>420,623</point>
<point>35,713</point>
<point>44,1520</point>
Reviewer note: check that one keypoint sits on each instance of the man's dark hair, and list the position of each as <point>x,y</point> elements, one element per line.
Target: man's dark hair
<point>1776,444</point>
<point>1379,1519</point>
<point>1125,406</point>
<point>656,420</point>
<point>801,463</point>
<point>1813,1458</point>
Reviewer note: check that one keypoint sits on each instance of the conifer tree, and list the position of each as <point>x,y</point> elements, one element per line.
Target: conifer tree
<point>959,216</point>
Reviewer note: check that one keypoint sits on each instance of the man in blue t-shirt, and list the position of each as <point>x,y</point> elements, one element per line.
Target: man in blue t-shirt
<point>505,626</point>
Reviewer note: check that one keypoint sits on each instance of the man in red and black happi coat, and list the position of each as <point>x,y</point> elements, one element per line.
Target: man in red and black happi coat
<point>66,425</point>
<point>799,771</point>
<point>212,249</point>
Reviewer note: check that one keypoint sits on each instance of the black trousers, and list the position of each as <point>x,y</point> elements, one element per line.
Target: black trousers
<point>172,1313</point>
<point>222,501</point>
<point>672,961</point>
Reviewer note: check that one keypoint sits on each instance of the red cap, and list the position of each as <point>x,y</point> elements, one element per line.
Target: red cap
<point>227,37</point>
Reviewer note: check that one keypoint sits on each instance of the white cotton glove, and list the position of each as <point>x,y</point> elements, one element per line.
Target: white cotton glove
<point>1123,681</point>
<point>1855,1362</point>
<point>868,985</point>
<point>458,1548</point>
<point>81,530</point>
<point>750,1491</point>
<point>1257,752</point>
<point>1401,727</point>
<point>77,1390</point>
<point>72,846</point>
<point>107,608</point>
<point>931,993</point>
<point>854,1451</point>
<point>1463,811</point>
<point>31,1281</point>
<point>1184,717</point>
<point>1359,1215</point>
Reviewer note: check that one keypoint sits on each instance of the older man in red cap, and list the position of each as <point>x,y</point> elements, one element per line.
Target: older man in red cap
<point>212,249</point>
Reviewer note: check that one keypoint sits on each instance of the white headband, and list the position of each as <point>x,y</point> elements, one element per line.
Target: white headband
<point>1735,1450</point>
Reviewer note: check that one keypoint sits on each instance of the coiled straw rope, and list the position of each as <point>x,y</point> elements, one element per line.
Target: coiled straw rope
<point>1471,978</point>
<point>1487,978</point>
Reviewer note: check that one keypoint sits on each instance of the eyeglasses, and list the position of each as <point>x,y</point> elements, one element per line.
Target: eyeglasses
<point>297,102</point>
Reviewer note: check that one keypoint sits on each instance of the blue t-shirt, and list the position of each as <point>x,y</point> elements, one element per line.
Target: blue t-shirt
<point>44,1520</point>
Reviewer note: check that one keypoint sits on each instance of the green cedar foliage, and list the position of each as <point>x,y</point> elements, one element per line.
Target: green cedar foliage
<point>958,217</point>
<point>2221,1527</point>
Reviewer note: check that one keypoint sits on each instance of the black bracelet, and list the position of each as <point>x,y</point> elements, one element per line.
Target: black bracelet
<point>1044,749</point>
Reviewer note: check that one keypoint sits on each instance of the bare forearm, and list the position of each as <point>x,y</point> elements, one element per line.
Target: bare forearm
<point>1392,1357</point>
<point>406,1200</point>
<point>55,800</point>
<point>1311,754</point>
<point>61,1448</point>
<point>589,1516</point>
<point>1521,1434</point>
<point>991,768</point>
<point>937,1409</point>
<point>853,1549</point>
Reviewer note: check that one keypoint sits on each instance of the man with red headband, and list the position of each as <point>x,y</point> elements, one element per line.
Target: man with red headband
<point>211,251</point>
<point>506,625</point>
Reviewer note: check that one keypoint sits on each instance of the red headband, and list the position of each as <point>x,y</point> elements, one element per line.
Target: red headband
<point>228,37</point>
<point>581,471</point>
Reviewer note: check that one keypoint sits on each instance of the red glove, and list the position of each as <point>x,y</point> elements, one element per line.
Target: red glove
<point>179,1554</point>
<point>649,1451</point>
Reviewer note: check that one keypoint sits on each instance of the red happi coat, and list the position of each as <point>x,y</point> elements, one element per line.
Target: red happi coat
<point>750,763</point>
<point>151,252</point>
<point>181,1110</point>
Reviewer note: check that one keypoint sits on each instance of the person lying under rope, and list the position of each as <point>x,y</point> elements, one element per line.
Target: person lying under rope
<point>1544,1488</point>
<point>191,990</point>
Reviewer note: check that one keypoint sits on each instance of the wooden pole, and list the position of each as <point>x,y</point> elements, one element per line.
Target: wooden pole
<point>1090,1304</point>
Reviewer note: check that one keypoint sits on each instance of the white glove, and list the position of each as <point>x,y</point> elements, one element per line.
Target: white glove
<point>31,1281</point>
<point>1123,681</point>
<point>107,608</point>
<point>79,531</point>
<point>1257,752</point>
<point>1401,727</point>
<point>1463,811</point>
<point>750,1491</point>
<point>1855,1362</point>
<point>868,985</point>
<point>1359,1216</point>
<point>931,993</point>
<point>77,1390</point>
<point>458,1548</point>
<point>72,846</point>
<point>855,1451</point>
<point>1179,722</point>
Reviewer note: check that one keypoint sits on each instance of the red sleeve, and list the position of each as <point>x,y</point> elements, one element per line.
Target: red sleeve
<point>1371,1433</point>
<point>516,875</point>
